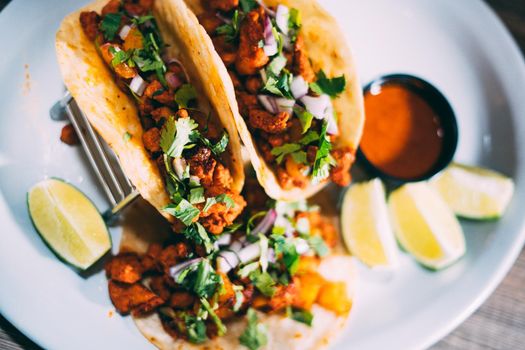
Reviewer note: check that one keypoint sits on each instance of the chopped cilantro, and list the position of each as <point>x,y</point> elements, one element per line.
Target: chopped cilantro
<point>279,86</point>
<point>184,211</point>
<point>310,137</point>
<point>196,233</point>
<point>217,148</point>
<point>255,334</point>
<point>275,67</point>
<point>231,30</point>
<point>195,329</point>
<point>221,328</point>
<point>197,195</point>
<point>305,118</point>
<point>200,279</point>
<point>110,25</point>
<point>281,151</point>
<point>119,56</point>
<point>303,316</point>
<point>263,282</point>
<point>176,134</point>
<point>248,5</point>
<point>318,245</point>
<point>323,160</point>
<point>142,19</point>
<point>290,257</point>
<point>184,95</point>
<point>146,61</point>
<point>127,136</point>
<point>294,19</point>
<point>299,157</point>
<point>332,87</point>
<point>222,198</point>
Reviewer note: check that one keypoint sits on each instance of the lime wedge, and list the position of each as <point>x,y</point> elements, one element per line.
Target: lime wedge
<point>474,193</point>
<point>365,225</point>
<point>425,226</point>
<point>68,222</point>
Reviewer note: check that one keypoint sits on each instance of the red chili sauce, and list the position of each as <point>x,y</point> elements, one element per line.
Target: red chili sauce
<point>403,135</point>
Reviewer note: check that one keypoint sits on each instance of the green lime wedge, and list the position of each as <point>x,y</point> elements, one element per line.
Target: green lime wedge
<point>68,222</point>
<point>474,193</point>
<point>425,226</point>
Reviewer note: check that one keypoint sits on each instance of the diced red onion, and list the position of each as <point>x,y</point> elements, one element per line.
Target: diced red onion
<point>281,18</point>
<point>138,85</point>
<point>332,127</point>
<point>224,239</point>
<point>228,260</point>
<point>179,165</point>
<point>266,223</point>
<point>301,246</point>
<point>176,270</point>
<point>173,80</point>
<point>316,105</point>
<point>270,43</point>
<point>299,87</point>
<point>123,34</point>
<point>266,8</point>
<point>284,104</point>
<point>169,60</point>
<point>268,103</point>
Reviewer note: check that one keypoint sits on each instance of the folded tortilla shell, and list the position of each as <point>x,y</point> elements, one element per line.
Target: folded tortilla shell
<point>114,113</point>
<point>328,51</point>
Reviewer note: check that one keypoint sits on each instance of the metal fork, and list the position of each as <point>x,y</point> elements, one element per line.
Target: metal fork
<point>119,190</point>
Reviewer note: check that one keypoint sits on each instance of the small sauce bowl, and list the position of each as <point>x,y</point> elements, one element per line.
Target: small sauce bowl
<point>410,131</point>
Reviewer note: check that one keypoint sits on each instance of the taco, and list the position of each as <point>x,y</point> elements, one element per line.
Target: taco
<point>300,104</point>
<point>275,282</point>
<point>152,88</point>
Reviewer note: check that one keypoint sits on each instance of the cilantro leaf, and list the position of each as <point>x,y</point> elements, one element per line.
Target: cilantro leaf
<point>119,56</point>
<point>200,279</point>
<point>196,233</point>
<point>127,136</point>
<point>287,250</point>
<point>173,143</point>
<point>299,157</point>
<point>231,30</point>
<point>255,334</point>
<point>318,245</point>
<point>217,148</point>
<point>110,25</point>
<point>263,282</point>
<point>197,195</point>
<point>275,67</point>
<point>305,118</point>
<point>184,95</point>
<point>310,137</point>
<point>184,211</point>
<point>221,328</point>
<point>279,86</point>
<point>195,329</point>
<point>142,19</point>
<point>303,316</point>
<point>222,198</point>
<point>146,61</point>
<point>332,87</point>
<point>323,160</point>
<point>248,5</point>
<point>281,151</point>
<point>294,20</point>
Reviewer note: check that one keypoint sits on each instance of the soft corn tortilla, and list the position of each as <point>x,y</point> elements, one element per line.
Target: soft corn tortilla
<point>142,226</point>
<point>328,51</point>
<point>113,113</point>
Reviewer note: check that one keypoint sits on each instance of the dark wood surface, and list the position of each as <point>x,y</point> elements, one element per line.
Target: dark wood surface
<point>498,324</point>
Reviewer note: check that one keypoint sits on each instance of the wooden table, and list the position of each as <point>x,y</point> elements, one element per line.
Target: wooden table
<point>499,324</point>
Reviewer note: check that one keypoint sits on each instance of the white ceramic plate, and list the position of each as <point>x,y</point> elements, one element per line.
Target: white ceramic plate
<point>459,46</point>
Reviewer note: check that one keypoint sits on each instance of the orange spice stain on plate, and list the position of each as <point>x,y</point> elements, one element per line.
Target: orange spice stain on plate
<point>403,136</point>
<point>26,87</point>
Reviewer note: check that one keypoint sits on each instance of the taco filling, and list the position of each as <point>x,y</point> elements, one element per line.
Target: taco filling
<point>268,262</point>
<point>188,144</point>
<point>285,103</point>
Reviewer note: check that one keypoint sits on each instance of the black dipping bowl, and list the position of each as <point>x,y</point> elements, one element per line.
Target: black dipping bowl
<point>443,110</point>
